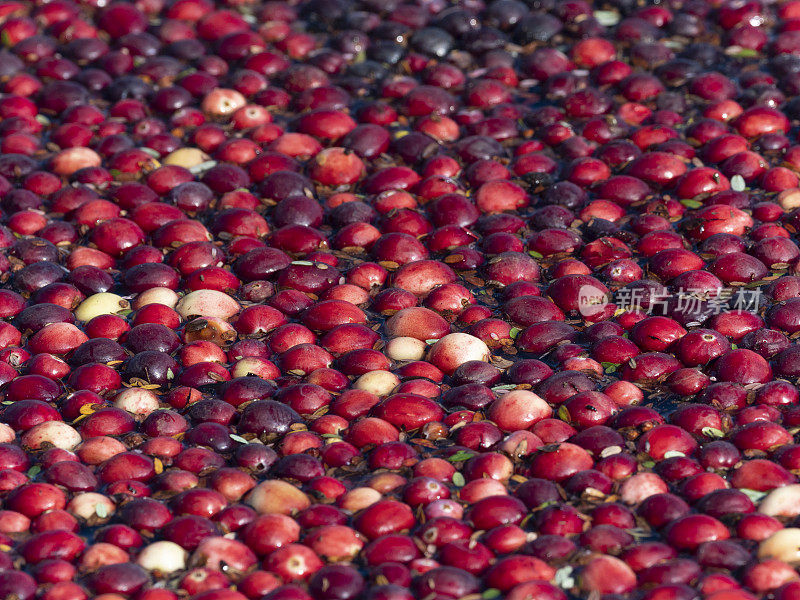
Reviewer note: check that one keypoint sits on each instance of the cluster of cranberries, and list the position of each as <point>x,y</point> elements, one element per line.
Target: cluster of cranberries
<point>399,300</point>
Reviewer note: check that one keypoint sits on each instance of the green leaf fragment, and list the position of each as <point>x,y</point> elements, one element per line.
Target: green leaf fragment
<point>504,388</point>
<point>639,534</point>
<point>101,510</point>
<point>673,454</point>
<point>460,456</point>
<point>202,167</point>
<point>745,53</point>
<point>713,432</point>
<point>563,578</point>
<point>458,479</point>
<point>607,18</point>
<point>754,495</point>
<point>610,451</point>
